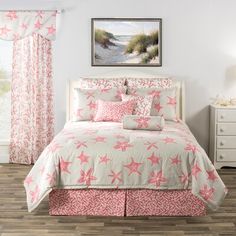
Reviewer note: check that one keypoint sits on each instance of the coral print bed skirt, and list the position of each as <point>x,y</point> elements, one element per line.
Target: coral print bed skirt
<point>141,202</point>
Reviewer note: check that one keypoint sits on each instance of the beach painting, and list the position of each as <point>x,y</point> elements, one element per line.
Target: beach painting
<point>126,42</point>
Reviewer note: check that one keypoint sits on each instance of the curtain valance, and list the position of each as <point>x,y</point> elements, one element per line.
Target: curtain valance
<point>19,24</point>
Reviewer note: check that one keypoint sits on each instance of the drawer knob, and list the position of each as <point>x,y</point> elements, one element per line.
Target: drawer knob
<point>221,130</point>
<point>222,117</point>
<point>221,157</point>
<point>222,143</point>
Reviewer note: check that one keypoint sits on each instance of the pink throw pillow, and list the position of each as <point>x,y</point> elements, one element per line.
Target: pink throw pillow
<point>113,111</point>
<point>143,104</point>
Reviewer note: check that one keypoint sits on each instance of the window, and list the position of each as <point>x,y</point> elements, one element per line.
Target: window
<point>6,48</point>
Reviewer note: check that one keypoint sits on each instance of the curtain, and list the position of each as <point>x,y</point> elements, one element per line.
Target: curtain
<point>32,117</point>
<point>20,24</point>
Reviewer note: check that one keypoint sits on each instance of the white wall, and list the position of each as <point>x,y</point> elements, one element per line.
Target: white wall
<point>199,46</point>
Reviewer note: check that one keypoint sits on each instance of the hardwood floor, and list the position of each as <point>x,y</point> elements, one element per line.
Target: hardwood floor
<point>16,221</point>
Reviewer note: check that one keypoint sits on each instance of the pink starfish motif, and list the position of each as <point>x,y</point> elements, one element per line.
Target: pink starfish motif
<point>51,30</point>
<point>175,160</point>
<point>4,30</point>
<point>86,177</point>
<point>81,144</point>
<point>64,166</point>
<point>151,145</point>
<point>211,175</point>
<point>115,176</point>
<point>142,122</point>
<point>24,26</point>
<point>158,107</point>
<point>40,14</point>
<point>168,140</point>
<point>100,139</point>
<point>157,178</point>
<point>184,178</point>
<point>12,15</point>
<point>104,159</point>
<point>90,94</point>
<point>83,158</point>
<point>92,105</point>
<point>171,101</point>
<point>122,146</point>
<point>133,167</point>
<point>52,178</point>
<point>192,148</point>
<point>154,159</point>
<point>37,25</point>
<point>196,170</point>
<point>155,93</point>
<point>34,194</point>
<point>207,193</point>
<point>28,180</point>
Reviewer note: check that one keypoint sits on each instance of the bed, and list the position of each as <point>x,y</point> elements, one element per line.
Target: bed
<point>99,168</point>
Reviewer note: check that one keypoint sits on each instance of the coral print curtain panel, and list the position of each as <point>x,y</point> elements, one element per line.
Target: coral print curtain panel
<point>32,118</point>
<point>126,42</point>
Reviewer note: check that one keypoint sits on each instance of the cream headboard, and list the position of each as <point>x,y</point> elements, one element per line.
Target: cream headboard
<point>72,84</point>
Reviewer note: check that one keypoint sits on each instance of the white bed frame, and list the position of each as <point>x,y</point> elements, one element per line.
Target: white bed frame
<point>72,84</point>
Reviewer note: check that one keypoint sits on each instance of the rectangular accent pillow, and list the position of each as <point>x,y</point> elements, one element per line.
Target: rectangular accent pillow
<point>144,122</point>
<point>143,104</point>
<point>91,83</point>
<point>164,101</point>
<point>85,100</point>
<point>113,111</point>
<point>159,82</point>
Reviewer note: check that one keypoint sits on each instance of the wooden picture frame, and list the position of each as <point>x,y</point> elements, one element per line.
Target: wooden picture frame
<point>126,42</point>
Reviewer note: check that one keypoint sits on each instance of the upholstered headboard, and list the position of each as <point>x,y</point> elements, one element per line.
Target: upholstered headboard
<point>72,84</point>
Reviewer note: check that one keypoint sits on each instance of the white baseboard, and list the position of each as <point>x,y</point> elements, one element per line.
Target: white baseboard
<point>4,152</point>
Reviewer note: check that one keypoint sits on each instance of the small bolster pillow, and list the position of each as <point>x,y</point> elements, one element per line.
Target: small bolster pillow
<point>143,122</point>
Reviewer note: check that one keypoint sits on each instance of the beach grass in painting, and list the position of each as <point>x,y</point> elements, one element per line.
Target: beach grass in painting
<point>126,42</point>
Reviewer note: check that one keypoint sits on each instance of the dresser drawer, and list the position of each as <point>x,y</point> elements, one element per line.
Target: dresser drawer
<point>226,141</point>
<point>226,129</point>
<point>226,155</point>
<point>228,115</point>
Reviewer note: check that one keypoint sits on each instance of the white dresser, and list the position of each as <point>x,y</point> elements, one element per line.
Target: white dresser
<point>223,136</point>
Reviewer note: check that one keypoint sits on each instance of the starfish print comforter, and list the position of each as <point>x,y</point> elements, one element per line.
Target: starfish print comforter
<point>103,155</point>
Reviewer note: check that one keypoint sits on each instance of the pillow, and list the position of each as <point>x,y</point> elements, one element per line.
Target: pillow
<point>164,101</point>
<point>85,100</point>
<point>160,82</point>
<point>91,83</point>
<point>113,111</point>
<point>143,122</point>
<point>143,104</point>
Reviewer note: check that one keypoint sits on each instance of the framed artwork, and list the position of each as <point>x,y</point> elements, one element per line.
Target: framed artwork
<point>126,41</point>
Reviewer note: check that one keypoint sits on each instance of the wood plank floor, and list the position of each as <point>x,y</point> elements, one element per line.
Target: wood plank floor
<point>16,221</point>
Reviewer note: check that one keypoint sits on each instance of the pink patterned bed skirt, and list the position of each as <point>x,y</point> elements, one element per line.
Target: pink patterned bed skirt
<point>125,203</point>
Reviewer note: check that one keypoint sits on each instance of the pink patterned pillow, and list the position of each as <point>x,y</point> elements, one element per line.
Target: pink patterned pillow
<point>143,104</point>
<point>113,111</point>
<point>85,100</point>
<point>159,82</point>
<point>165,101</point>
<point>91,83</point>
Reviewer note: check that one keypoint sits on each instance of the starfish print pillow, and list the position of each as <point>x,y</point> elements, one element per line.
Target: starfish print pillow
<point>164,101</point>
<point>143,122</point>
<point>143,104</point>
<point>85,100</point>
